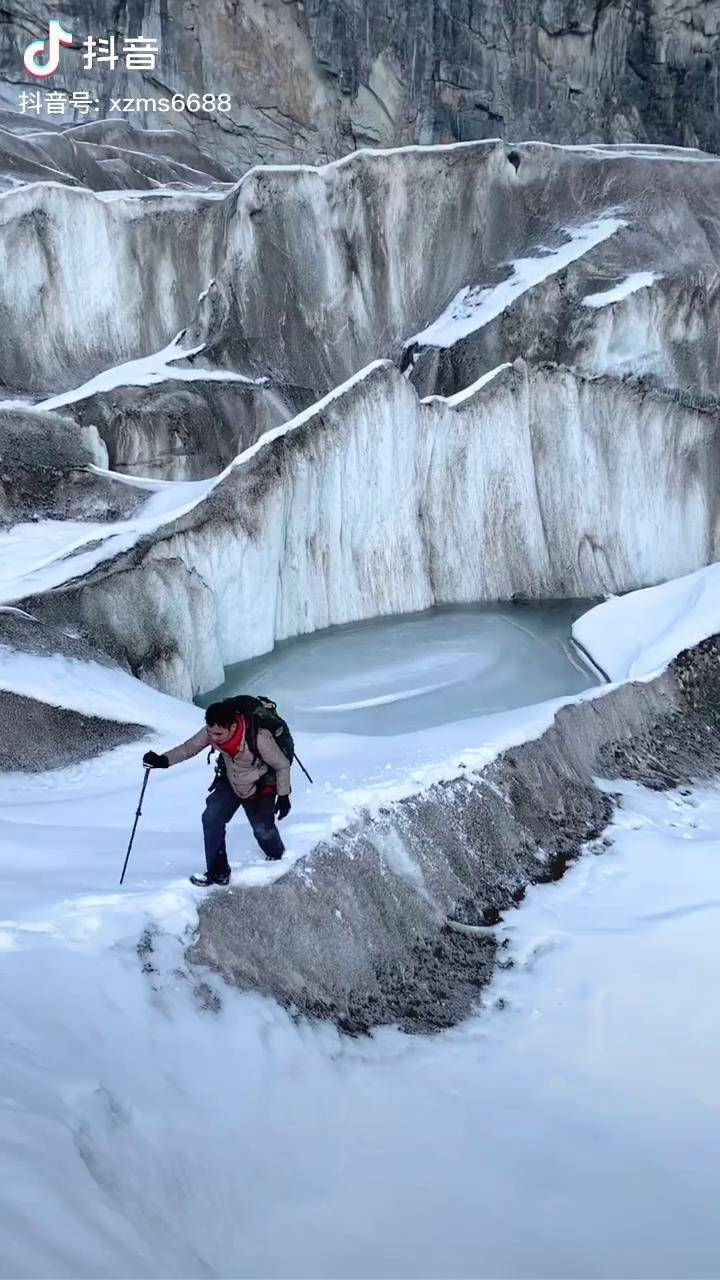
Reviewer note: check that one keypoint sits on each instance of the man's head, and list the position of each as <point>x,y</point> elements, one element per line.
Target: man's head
<point>222,722</point>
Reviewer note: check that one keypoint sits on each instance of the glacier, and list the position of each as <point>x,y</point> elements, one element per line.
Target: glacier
<point>513,492</point>
<point>399,403</point>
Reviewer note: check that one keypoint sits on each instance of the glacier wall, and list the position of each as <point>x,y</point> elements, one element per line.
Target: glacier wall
<point>385,222</point>
<point>667,332</point>
<point>179,429</point>
<point>91,282</point>
<point>538,483</point>
<point>46,463</point>
<point>305,275</point>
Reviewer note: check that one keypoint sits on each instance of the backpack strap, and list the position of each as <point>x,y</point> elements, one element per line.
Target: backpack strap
<point>251,736</point>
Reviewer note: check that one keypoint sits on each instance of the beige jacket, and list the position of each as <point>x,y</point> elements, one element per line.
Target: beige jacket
<point>243,772</point>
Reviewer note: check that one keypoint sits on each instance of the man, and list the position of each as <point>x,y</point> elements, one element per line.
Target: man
<point>259,782</point>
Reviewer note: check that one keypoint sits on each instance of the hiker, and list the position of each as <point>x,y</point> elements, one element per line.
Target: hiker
<point>258,779</point>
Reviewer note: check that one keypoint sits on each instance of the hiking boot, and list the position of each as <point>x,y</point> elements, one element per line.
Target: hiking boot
<point>273,857</point>
<point>205,881</point>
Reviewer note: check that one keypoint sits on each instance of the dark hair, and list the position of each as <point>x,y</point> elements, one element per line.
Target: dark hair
<point>221,713</point>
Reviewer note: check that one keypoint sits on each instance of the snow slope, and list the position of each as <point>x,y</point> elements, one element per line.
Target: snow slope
<point>636,635</point>
<point>78,818</point>
<point>147,372</point>
<point>172,1128</point>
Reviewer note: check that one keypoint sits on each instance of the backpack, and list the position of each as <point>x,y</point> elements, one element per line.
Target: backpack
<point>261,713</point>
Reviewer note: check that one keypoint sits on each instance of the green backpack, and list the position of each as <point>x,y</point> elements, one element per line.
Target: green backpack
<point>261,713</point>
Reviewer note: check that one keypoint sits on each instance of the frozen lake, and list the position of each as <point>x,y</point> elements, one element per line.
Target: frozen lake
<point>396,675</point>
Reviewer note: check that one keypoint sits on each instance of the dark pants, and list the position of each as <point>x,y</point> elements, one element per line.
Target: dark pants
<point>222,804</point>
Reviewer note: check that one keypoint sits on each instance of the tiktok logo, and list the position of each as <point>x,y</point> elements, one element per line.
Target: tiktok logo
<point>56,36</point>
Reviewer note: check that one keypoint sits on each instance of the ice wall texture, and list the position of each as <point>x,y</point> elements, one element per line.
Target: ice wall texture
<point>305,275</point>
<point>374,295</point>
<point>539,484</point>
<point>311,81</point>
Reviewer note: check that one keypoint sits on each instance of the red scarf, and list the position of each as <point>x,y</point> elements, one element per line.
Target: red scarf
<point>235,743</point>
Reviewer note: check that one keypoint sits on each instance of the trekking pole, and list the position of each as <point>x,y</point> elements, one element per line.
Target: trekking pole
<point>137,815</point>
<point>302,766</point>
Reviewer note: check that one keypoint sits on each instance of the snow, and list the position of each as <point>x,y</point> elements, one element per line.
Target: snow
<point>608,151</point>
<point>168,194</point>
<point>631,284</point>
<point>636,635</point>
<point>91,688</point>
<point>633,151</point>
<point>508,458</point>
<point>111,197</point>
<point>474,306</point>
<point>545,1136</point>
<point>146,372</point>
<point>353,771</point>
<point>548,1135</point>
<point>42,554</point>
<point>468,392</point>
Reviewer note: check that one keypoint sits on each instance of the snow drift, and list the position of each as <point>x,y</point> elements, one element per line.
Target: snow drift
<point>636,635</point>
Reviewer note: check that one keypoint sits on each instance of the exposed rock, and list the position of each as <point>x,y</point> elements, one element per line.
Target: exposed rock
<point>386,922</point>
<point>35,736</point>
<point>44,461</point>
<point>310,81</point>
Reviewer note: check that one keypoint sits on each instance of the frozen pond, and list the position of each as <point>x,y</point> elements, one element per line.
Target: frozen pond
<point>395,675</point>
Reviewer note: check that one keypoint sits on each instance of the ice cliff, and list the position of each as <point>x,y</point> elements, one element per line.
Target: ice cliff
<point>376,502</point>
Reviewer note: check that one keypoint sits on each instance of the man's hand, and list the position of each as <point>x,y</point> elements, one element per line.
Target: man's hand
<point>152,760</point>
<point>282,806</point>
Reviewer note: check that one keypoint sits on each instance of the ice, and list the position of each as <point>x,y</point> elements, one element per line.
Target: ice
<point>40,555</point>
<point>398,675</point>
<point>467,392</point>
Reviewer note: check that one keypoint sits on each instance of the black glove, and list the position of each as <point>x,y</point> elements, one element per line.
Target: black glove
<point>152,760</point>
<point>282,806</point>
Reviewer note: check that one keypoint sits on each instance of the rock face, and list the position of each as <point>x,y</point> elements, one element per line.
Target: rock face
<point>44,470</point>
<point>387,921</point>
<point>309,81</point>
